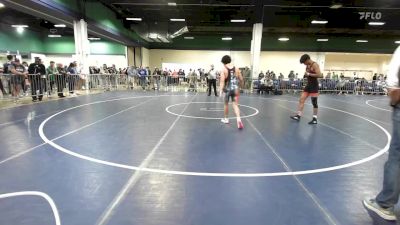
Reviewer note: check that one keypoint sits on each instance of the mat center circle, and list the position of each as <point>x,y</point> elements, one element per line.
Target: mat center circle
<point>209,110</point>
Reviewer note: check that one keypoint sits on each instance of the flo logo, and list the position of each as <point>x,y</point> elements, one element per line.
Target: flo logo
<point>370,15</point>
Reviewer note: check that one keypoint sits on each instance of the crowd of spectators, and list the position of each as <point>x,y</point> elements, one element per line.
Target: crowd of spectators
<point>37,80</point>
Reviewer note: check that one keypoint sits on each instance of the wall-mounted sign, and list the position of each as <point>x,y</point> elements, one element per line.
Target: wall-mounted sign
<point>370,15</point>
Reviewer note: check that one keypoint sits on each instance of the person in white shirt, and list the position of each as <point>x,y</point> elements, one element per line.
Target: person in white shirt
<point>383,204</point>
<point>212,80</point>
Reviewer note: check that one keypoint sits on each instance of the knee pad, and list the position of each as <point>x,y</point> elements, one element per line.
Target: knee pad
<point>314,101</point>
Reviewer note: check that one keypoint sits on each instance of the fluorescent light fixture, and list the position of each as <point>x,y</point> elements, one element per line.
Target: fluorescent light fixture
<point>94,39</point>
<point>238,21</point>
<point>336,6</point>
<point>226,38</point>
<point>177,20</point>
<point>20,25</point>
<point>397,42</point>
<point>376,23</point>
<point>319,22</point>
<point>60,25</point>
<point>134,19</point>
<point>54,35</point>
<point>362,41</point>
<point>189,38</point>
<point>1,5</point>
<point>20,30</point>
<point>322,39</point>
<point>172,3</point>
<point>283,39</point>
<point>153,35</point>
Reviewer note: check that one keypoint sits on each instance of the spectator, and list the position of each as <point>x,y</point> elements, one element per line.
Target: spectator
<point>291,75</point>
<point>60,79</point>
<point>51,71</point>
<point>335,76</point>
<point>142,77</point>
<point>181,75</point>
<point>273,75</point>
<point>261,75</point>
<point>5,71</point>
<point>72,77</point>
<point>132,74</point>
<point>375,77</point>
<point>25,83</point>
<point>328,76</point>
<point>18,75</point>
<point>281,77</point>
<point>36,71</point>
<point>157,78</point>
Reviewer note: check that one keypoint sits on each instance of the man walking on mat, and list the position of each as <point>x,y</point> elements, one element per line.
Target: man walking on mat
<point>230,80</point>
<point>312,74</point>
<point>384,203</point>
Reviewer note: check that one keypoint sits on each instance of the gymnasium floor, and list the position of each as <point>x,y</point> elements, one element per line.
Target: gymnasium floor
<point>142,158</point>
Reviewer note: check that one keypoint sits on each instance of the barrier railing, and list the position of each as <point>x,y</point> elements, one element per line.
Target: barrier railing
<point>325,86</point>
<point>37,86</point>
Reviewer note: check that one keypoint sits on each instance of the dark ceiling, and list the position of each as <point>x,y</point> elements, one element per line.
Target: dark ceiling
<point>211,17</point>
<point>13,17</point>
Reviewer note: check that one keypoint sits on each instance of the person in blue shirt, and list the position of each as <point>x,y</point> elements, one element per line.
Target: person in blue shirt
<point>142,77</point>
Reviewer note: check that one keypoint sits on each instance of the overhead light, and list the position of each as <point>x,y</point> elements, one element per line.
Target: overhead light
<point>153,35</point>
<point>20,30</point>
<point>177,20</point>
<point>322,39</point>
<point>189,38</point>
<point>23,26</point>
<point>172,3</point>
<point>336,6</point>
<point>319,22</point>
<point>94,39</point>
<point>226,38</point>
<point>134,19</point>
<point>397,42</point>
<point>362,41</point>
<point>376,23</point>
<point>1,5</point>
<point>60,25</point>
<point>238,21</point>
<point>283,39</point>
<point>54,35</point>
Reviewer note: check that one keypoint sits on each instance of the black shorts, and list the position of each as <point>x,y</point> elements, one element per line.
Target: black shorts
<point>230,94</point>
<point>310,89</point>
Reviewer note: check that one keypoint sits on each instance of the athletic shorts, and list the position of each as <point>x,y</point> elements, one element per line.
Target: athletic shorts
<point>311,91</point>
<point>308,94</point>
<point>230,94</point>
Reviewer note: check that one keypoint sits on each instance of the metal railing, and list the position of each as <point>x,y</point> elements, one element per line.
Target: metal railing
<point>325,86</point>
<point>38,86</point>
